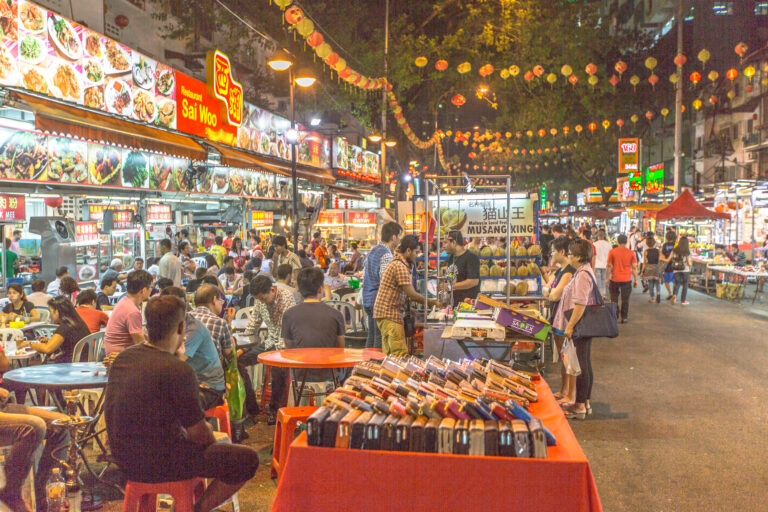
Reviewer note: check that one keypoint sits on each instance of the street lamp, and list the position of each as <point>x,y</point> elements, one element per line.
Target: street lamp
<point>390,143</point>
<point>375,137</point>
<point>281,60</point>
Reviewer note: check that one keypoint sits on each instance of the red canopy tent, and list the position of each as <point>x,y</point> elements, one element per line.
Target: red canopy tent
<point>687,207</point>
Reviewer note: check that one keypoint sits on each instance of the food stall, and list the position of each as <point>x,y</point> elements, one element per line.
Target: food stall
<point>360,226</point>
<point>330,223</point>
<point>262,221</point>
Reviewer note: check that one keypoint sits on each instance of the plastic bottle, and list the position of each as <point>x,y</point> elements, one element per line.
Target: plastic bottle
<point>55,491</point>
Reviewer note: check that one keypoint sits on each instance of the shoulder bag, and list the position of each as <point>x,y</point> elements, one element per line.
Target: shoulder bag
<point>678,264</point>
<point>598,321</point>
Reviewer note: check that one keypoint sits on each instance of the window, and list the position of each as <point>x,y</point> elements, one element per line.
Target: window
<point>722,7</point>
<point>735,132</point>
<point>737,87</point>
<point>750,126</point>
<point>761,8</point>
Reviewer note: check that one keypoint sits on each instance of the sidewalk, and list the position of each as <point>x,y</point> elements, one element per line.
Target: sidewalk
<point>680,408</point>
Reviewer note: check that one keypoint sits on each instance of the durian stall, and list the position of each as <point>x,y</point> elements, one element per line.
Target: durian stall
<point>505,321</point>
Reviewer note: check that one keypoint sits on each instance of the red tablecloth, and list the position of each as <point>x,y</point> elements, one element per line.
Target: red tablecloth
<point>328,479</point>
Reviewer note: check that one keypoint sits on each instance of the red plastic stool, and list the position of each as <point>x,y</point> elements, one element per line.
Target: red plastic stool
<point>142,497</point>
<point>266,388</point>
<point>221,413</point>
<point>287,419</point>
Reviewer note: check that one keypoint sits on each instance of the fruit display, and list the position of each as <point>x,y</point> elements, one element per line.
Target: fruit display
<point>534,250</point>
<point>484,271</point>
<point>496,271</point>
<point>486,252</point>
<point>522,270</point>
<point>521,251</point>
<point>533,269</point>
<point>521,289</point>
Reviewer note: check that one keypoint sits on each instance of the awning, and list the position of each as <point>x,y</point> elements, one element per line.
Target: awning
<point>598,214</point>
<point>647,207</point>
<point>57,117</point>
<point>686,207</point>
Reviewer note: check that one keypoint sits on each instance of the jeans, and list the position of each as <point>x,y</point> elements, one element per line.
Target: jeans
<point>681,279</point>
<point>600,276</point>
<point>625,289</point>
<point>374,334</point>
<point>277,381</point>
<point>584,380</point>
<point>25,428</point>
<point>654,285</point>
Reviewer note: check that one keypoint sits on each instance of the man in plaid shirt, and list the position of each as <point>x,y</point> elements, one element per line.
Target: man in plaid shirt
<point>209,305</point>
<point>271,303</point>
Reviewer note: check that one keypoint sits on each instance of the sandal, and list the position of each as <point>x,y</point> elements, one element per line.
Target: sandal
<point>572,415</point>
<point>559,396</point>
<point>566,405</point>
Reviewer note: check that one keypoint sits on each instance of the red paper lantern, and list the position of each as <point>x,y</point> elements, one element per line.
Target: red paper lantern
<point>649,115</point>
<point>619,123</point>
<point>741,49</point>
<point>566,129</point>
<point>528,76</point>
<point>472,155</point>
<point>592,126</point>
<point>458,100</point>
<point>614,80</point>
<point>441,65</point>
<point>653,80</point>
<point>486,70</point>
<point>591,69</point>
<point>731,74</point>
<point>542,132</point>
<point>332,59</point>
<point>695,77</point>
<point>620,67</point>
<point>573,79</point>
<point>315,39</point>
<point>680,60</point>
<point>294,15</point>
<point>54,202</point>
<point>713,99</point>
<point>538,70</point>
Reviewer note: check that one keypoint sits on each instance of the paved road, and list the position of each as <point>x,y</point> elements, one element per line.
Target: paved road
<point>680,409</point>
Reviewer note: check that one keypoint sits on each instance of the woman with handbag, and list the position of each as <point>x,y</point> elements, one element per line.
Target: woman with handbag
<point>581,292</point>
<point>680,263</point>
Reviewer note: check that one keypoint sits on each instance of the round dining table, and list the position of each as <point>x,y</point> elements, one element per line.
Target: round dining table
<point>60,376</point>
<point>305,359</point>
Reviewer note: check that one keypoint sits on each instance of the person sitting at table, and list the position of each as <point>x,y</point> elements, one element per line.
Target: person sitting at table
<point>138,264</point>
<point>200,353</point>
<point>152,266</point>
<point>737,256</point>
<point>115,270</point>
<point>125,323</point>
<point>27,430</point>
<point>86,308</point>
<point>71,329</point>
<point>270,304</point>
<point>108,289</point>
<point>53,286</point>
<point>156,428</point>
<point>230,280</point>
<point>209,304</point>
<point>334,279</point>
<point>38,297</point>
<point>356,260</point>
<point>69,288</point>
<point>19,306</point>
<point>211,266</point>
<point>194,284</point>
<point>285,281</point>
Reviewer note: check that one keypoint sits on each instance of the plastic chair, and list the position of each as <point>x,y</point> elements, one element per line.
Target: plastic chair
<point>348,311</point>
<point>221,413</point>
<point>142,497</point>
<point>244,313</point>
<point>88,344</point>
<point>44,313</point>
<point>287,419</point>
<point>7,334</point>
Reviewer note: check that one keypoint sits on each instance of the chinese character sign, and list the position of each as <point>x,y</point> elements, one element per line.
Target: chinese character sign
<point>122,219</point>
<point>223,86</point>
<point>262,219</point>
<point>159,213</point>
<point>361,218</point>
<point>635,181</point>
<point>11,207</point>
<point>96,211</point>
<point>654,179</point>
<point>86,232</point>
<point>629,155</point>
<point>478,216</point>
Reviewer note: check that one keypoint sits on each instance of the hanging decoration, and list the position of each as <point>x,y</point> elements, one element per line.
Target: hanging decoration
<point>458,100</point>
<point>680,60</point>
<point>651,63</point>
<point>606,124</point>
<point>573,79</point>
<point>528,76</point>
<point>504,73</point>
<point>695,77</point>
<point>749,72</point>
<point>664,112</point>
<point>703,57</point>
<point>464,67</point>
<point>591,69</point>
<point>592,126</point>
<point>620,67</point>
<point>566,70</point>
<point>741,50</point>
<point>713,99</point>
<point>634,80</point>
<point>634,118</point>
<point>730,94</point>
<point>514,70</point>
<point>653,80</point>
<point>421,62</point>
<point>486,70</point>
<point>696,104</point>
<point>538,70</point>
<point>441,65</point>
<point>620,123</point>
<point>293,15</point>
<point>713,76</point>
<point>674,78</point>
<point>315,39</point>
<point>578,129</point>
<point>731,74</point>
<point>551,78</point>
<point>614,81</point>
<point>592,80</point>
<point>649,115</point>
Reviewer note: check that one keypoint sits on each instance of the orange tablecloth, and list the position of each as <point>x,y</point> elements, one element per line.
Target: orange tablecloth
<point>328,479</point>
<point>319,357</point>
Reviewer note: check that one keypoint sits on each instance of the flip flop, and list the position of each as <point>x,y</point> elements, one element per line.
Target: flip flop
<point>571,415</point>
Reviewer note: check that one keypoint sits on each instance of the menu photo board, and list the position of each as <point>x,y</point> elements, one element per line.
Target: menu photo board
<point>355,162</point>
<point>335,218</point>
<point>654,179</point>
<point>629,155</point>
<point>262,219</point>
<point>12,208</point>
<point>159,213</point>
<point>366,219</point>
<point>86,232</point>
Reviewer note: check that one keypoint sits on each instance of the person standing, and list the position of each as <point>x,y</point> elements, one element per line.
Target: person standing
<point>621,268</point>
<point>377,260</point>
<point>467,278</point>
<point>218,251</point>
<point>10,260</point>
<point>652,269</point>
<point>397,284</point>
<point>185,256</point>
<point>321,254</point>
<point>680,261</point>
<point>170,265</point>
<point>577,295</point>
<point>545,241</point>
<point>282,256</point>
<point>670,240</point>
<point>602,248</point>
<point>15,242</point>
<point>227,242</point>
<point>125,326</point>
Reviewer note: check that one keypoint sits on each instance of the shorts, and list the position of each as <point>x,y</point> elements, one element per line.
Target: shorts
<point>392,337</point>
<point>558,332</point>
<point>669,277</point>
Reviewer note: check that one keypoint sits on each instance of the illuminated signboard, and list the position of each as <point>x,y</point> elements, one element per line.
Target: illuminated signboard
<point>563,196</point>
<point>223,86</point>
<point>96,211</point>
<point>625,193</point>
<point>654,179</point>
<point>122,219</point>
<point>86,232</point>
<point>635,180</point>
<point>159,213</point>
<point>593,195</point>
<point>543,198</point>
<point>358,162</point>
<point>11,207</point>
<point>330,218</point>
<point>262,219</point>
<point>361,218</point>
<point>629,155</point>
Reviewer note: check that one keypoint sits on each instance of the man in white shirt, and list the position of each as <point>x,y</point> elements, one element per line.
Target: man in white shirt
<point>53,286</point>
<point>170,265</point>
<point>38,297</point>
<point>334,279</point>
<point>602,248</point>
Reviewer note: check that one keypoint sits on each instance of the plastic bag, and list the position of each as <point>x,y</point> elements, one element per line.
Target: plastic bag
<point>570,359</point>
<point>235,393</point>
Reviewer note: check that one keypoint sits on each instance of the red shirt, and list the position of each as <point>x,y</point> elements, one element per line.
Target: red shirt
<point>95,319</point>
<point>227,243</point>
<point>621,260</point>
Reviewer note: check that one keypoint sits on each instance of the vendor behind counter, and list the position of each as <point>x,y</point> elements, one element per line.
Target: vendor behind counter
<point>467,284</point>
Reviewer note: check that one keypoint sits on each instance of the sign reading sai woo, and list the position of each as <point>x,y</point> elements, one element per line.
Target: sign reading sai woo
<point>478,215</point>
<point>629,155</point>
<point>222,85</point>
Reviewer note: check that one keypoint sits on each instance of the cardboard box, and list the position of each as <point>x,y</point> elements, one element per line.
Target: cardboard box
<point>521,323</point>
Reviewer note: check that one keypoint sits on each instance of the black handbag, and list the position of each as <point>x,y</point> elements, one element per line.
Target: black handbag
<point>678,264</point>
<point>598,321</point>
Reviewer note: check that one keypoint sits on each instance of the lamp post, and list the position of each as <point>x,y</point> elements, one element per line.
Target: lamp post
<point>281,61</point>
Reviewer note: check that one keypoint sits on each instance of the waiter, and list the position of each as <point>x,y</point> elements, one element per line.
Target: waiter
<point>467,284</point>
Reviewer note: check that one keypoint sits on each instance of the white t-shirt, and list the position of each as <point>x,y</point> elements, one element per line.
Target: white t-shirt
<point>602,248</point>
<point>170,267</point>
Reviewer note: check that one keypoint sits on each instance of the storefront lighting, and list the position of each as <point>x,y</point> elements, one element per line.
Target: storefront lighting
<point>390,143</point>
<point>292,136</point>
<point>375,137</point>
<point>282,222</point>
<point>289,223</point>
<point>280,61</point>
<point>315,121</point>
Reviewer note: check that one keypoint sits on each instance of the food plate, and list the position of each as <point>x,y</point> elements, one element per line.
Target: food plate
<point>104,165</point>
<point>117,96</point>
<point>32,49</point>
<point>93,72</point>
<point>94,97</point>
<point>264,144</point>
<point>135,170</point>
<point>93,46</point>
<point>9,71</point>
<point>68,162</point>
<point>32,18</point>
<point>243,138</point>
<point>179,172</point>
<point>166,113</point>
<point>144,108</point>
<point>205,180</point>
<point>86,273</point>
<point>35,79</point>
<point>143,72</point>
<point>160,172</point>
<point>236,182</point>
<point>164,81</point>
<point>220,183</point>
<point>66,82</point>
<point>116,60</point>
<point>23,156</point>
<point>64,37</point>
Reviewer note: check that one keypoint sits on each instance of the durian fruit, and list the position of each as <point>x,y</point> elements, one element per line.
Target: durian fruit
<point>533,269</point>
<point>534,250</point>
<point>496,271</point>
<point>483,270</point>
<point>521,289</point>
<point>499,251</point>
<point>521,251</point>
<point>486,252</point>
<point>522,270</point>
<point>473,250</point>
<point>512,270</point>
